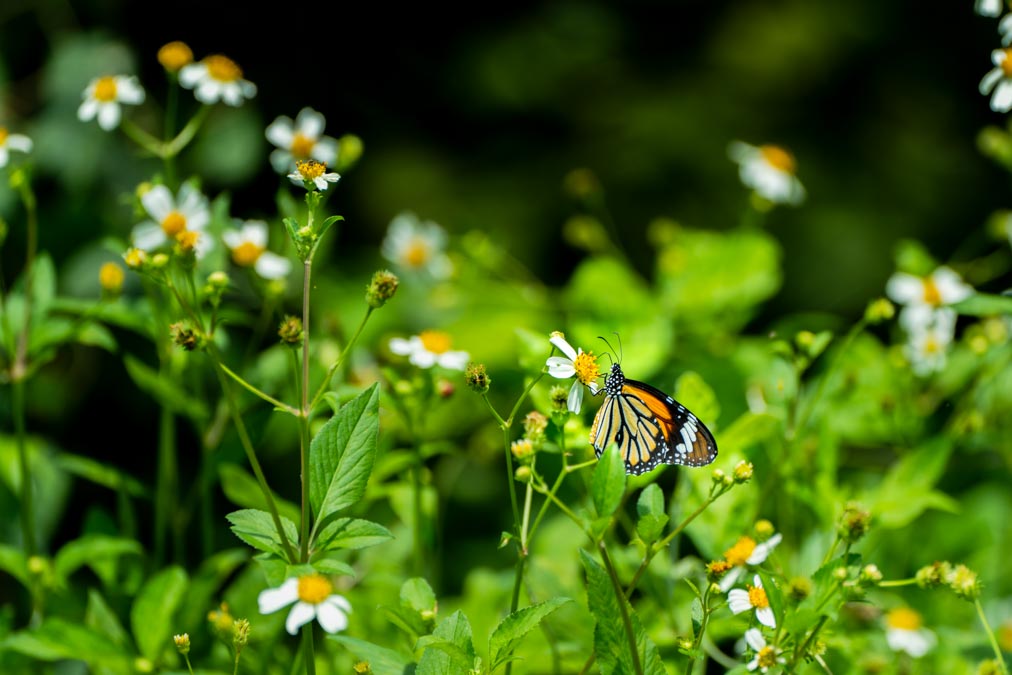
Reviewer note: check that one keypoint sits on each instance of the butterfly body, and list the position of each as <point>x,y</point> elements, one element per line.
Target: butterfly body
<point>649,427</point>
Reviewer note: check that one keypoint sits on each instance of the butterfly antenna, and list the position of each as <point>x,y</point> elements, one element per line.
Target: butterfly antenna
<point>610,348</point>
<point>619,338</point>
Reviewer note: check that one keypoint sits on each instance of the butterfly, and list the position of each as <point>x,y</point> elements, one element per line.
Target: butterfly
<point>649,427</point>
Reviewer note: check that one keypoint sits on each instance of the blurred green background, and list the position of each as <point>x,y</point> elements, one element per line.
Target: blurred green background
<point>473,120</point>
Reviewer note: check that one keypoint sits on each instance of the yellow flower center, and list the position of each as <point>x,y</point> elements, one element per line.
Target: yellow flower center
<point>739,554</point>
<point>585,365</point>
<point>416,253</point>
<point>187,240</point>
<point>931,345</point>
<point>314,588</point>
<point>1006,64</point>
<point>778,158</point>
<point>757,597</point>
<point>135,257</point>
<point>222,68</point>
<point>175,55</point>
<point>173,224</point>
<point>435,341</point>
<point>301,146</point>
<point>3,135</point>
<point>767,657</point>
<point>246,254</point>
<point>903,618</point>
<point>932,295</point>
<point>110,276</point>
<point>310,169</point>
<point>105,89</point>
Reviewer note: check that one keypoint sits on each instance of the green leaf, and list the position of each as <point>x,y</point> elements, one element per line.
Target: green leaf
<point>418,595</point>
<point>56,639</point>
<point>341,455</point>
<point>151,616</point>
<point>449,651</point>
<point>351,533</point>
<point>652,517</point>
<point>91,548</point>
<point>14,562</point>
<point>242,489</point>
<point>101,474</point>
<point>912,257</point>
<point>984,304</point>
<point>275,569</point>
<point>514,627</point>
<point>101,618</point>
<point>96,335</point>
<point>327,564</point>
<point>694,393</point>
<point>906,491</point>
<point>608,483</point>
<point>165,390</point>
<point>257,529</point>
<point>382,661</point>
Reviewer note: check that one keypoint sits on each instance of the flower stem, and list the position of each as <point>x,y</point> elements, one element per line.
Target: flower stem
<point>990,637</point>
<point>165,490</point>
<point>307,648</point>
<point>622,605</point>
<point>189,667</point>
<point>27,510</point>
<point>307,270</point>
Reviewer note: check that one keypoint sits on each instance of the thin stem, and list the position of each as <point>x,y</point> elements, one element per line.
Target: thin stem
<point>325,385</point>
<point>523,397</point>
<point>307,647</point>
<point>307,270</point>
<point>990,636</point>
<point>165,490</point>
<point>621,598</point>
<point>186,657</point>
<point>800,650</point>
<point>898,582</point>
<point>257,392</point>
<point>27,509</point>
<point>698,639</point>
<point>20,367</point>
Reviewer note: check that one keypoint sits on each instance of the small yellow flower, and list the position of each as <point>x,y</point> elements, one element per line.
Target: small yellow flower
<point>103,96</point>
<point>110,276</point>
<point>300,140</point>
<point>430,348</point>
<point>182,643</point>
<point>754,597</point>
<point>904,632</point>
<point>417,246</point>
<point>217,78</point>
<point>175,55</point>
<point>249,249</point>
<point>311,172</point>
<point>576,363</point>
<point>314,598</point>
<point>522,448</point>
<point>769,170</point>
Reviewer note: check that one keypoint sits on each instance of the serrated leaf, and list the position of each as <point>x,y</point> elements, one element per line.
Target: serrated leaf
<point>151,616</point>
<point>257,529</point>
<point>327,564</point>
<point>417,594</point>
<point>352,533</point>
<point>514,627</point>
<point>407,619</point>
<point>91,548</point>
<point>608,483</point>
<point>382,661</point>
<point>450,650</point>
<point>341,455</point>
<point>164,390</point>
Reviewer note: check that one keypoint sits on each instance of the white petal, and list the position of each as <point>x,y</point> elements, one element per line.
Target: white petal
<point>205,243</point>
<point>1002,99</point>
<point>148,235</point>
<point>280,132</point>
<point>563,346</point>
<point>988,81</point>
<point>757,582</point>
<point>19,142</point>
<point>404,347</point>
<point>272,266</point>
<point>731,578</point>
<point>87,110</point>
<point>755,639</point>
<point>282,161</point>
<point>249,90</point>
<point>158,202</point>
<point>129,90</point>
<point>766,617</point>
<point>737,601</point>
<point>423,358</point>
<point>761,551</point>
<point>753,664</point>
<point>575,400</point>
<point>740,152</point>
<point>988,7</point>
<point>560,367</point>
<point>231,94</point>
<point>5,156</point>
<point>191,75</point>
<point>310,123</point>
<point>917,318</point>
<point>456,360</point>
<point>273,599</point>
<point>331,617</point>
<point>905,288</point>
<point>207,91</point>
<point>108,115</point>
<point>325,150</point>
<point>232,238</point>
<point>301,614</point>
<point>950,285</point>
<point>255,232</point>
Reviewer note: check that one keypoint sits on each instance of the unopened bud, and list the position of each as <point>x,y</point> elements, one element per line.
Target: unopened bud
<point>382,287</point>
<point>182,643</point>
<point>477,378</point>
<point>743,472</point>
<point>290,331</point>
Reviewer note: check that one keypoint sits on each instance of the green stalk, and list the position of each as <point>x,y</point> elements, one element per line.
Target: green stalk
<point>418,557</point>
<point>991,638</point>
<point>308,649</point>
<point>165,490</point>
<point>621,598</point>
<point>304,440</point>
<point>27,509</point>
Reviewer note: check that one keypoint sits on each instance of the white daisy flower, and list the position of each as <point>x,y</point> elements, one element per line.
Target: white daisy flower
<point>249,249</point>
<point>300,140</point>
<point>999,79</point>
<point>417,245</point>
<point>9,141</point>
<point>739,601</point>
<point>217,78</point>
<point>172,216</point>
<point>746,552</point>
<point>922,297</point>
<point>765,656</point>
<point>929,342</point>
<point>312,171</point>
<point>905,634</point>
<point>769,170</point>
<point>1005,30</point>
<point>314,598</point>
<point>430,348</point>
<point>988,7</point>
<point>576,363</point>
<point>103,96</point>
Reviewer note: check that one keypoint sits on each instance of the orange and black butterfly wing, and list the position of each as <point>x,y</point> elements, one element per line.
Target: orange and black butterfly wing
<point>689,441</point>
<point>651,428</point>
